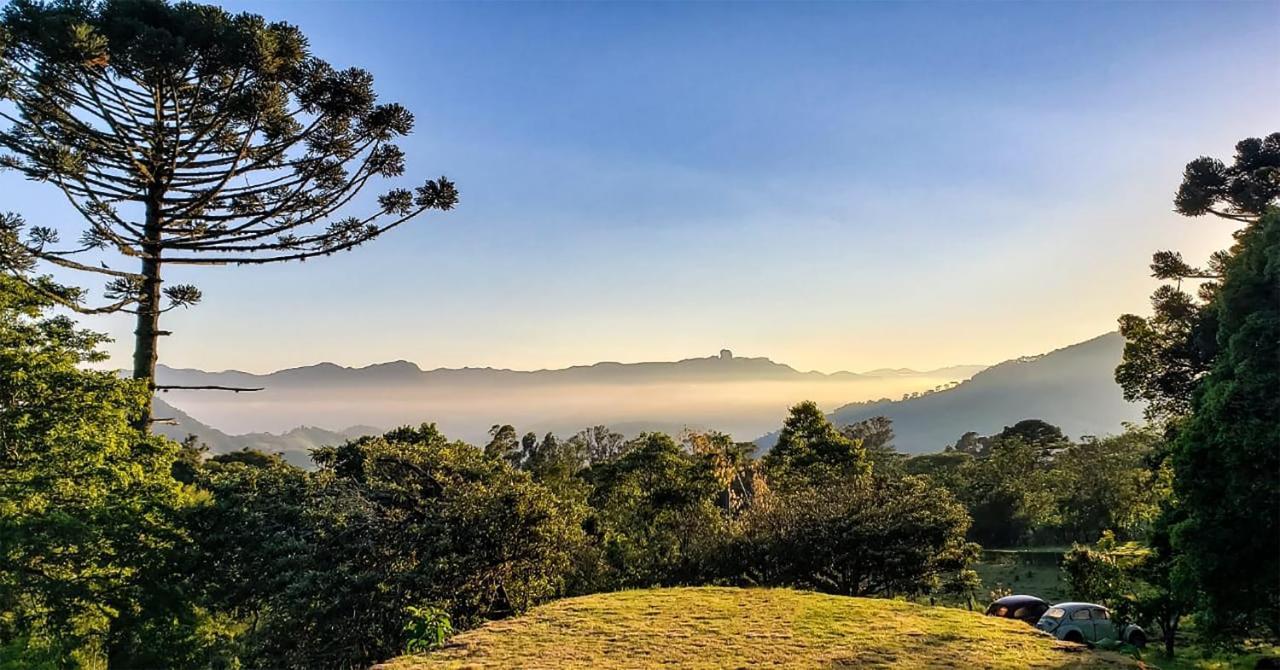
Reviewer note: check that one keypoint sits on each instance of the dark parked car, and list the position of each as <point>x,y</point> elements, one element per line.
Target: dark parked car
<point>1022,608</point>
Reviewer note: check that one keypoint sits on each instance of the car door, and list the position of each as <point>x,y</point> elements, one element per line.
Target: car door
<point>1082,621</point>
<point>1103,626</point>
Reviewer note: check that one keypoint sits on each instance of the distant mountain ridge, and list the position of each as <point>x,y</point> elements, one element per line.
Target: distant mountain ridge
<point>741,396</point>
<point>1073,388</point>
<point>711,368</point>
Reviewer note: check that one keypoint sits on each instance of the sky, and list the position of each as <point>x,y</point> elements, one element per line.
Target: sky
<point>837,186</point>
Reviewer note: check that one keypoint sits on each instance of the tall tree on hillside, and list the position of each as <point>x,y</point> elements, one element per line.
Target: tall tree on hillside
<point>1209,367</point>
<point>1227,455</point>
<point>185,135</point>
<point>1167,354</point>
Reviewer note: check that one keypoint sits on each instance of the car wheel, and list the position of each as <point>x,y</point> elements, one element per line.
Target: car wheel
<point>1074,636</point>
<point>1138,639</point>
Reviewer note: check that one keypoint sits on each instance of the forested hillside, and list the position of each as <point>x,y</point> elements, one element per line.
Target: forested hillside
<point>1073,388</point>
<point>294,445</point>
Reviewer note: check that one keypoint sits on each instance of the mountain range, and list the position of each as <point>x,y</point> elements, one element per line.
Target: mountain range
<point>724,367</point>
<point>745,397</point>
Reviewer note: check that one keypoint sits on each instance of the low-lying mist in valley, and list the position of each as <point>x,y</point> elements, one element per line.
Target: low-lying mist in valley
<point>745,409</point>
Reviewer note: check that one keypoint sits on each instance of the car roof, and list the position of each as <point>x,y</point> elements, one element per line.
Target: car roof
<point>1018,600</point>
<point>1076,606</point>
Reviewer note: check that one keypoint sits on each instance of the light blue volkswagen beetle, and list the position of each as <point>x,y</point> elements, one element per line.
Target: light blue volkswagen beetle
<point>1087,623</point>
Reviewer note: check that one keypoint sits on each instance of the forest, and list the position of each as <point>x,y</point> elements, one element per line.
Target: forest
<point>125,549</point>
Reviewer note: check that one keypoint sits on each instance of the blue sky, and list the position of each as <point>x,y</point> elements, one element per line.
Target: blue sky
<point>832,185</point>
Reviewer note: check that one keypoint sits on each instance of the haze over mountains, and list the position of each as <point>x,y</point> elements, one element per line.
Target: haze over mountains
<point>747,397</point>
<point>743,396</point>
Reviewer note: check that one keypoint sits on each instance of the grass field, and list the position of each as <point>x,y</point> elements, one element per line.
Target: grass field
<point>1029,571</point>
<point>752,628</point>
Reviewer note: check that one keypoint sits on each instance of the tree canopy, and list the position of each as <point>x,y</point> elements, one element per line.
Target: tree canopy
<point>1227,455</point>
<point>90,516</point>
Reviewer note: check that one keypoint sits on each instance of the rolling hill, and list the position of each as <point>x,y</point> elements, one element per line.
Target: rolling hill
<point>1073,388</point>
<point>753,628</point>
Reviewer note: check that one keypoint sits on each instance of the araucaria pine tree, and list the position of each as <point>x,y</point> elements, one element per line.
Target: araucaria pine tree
<point>185,135</point>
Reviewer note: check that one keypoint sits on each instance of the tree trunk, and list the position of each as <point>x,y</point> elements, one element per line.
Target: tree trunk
<point>1170,633</point>
<point>147,332</point>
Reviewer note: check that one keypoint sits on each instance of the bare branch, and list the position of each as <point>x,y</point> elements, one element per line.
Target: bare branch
<point>233,389</point>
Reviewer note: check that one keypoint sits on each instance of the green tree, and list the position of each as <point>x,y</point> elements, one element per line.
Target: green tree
<point>600,443</point>
<point>1166,355</point>
<point>90,515</point>
<point>1010,493</point>
<point>1226,456</point>
<point>1113,483</point>
<point>1036,432</point>
<point>809,447</point>
<point>948,470</point>
<point>655,512</point>
<point>326,567</point>
<point>1135,580</point>
<point>876,437</point>
<point>559,465</point>
<point>890,536</point>
<point>186,135</point>
<point>504,444</point>
<point>1206,365</point>
<point>740,476</point>
<point>1242,191</point>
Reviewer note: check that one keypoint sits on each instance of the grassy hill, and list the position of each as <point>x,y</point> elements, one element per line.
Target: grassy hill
<point>752,628</point>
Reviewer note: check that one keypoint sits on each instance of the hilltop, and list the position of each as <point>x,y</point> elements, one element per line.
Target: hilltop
<point>746,628</point>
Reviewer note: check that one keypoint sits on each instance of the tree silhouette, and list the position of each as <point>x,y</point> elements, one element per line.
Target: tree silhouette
<point>185,135</point>
<point>1241,191</point>
<point>1167,354</point>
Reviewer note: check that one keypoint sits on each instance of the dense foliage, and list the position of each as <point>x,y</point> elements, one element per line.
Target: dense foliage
<point>1029,484</point>
<point>90,517</point>
<point>328,565</point>
<point>1208,367</point>
<point>1226,458</point>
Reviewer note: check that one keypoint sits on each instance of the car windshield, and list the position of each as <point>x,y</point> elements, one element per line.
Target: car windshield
<point>1055,613</point>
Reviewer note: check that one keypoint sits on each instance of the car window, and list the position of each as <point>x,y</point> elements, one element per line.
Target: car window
<point>1101,614</point>
<point>1055,613</point>
<point>1001,611</point>
<point>1080,615</point>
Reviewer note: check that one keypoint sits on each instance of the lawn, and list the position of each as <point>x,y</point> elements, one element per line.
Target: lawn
<point>752,628</point>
